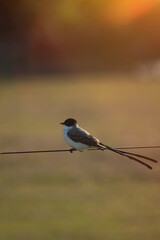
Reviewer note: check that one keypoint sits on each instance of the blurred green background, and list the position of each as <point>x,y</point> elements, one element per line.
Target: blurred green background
<point>98,62</point>
<point>90,195</point>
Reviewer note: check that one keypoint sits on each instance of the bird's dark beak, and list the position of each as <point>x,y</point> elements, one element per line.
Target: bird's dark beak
<point>62,123</point>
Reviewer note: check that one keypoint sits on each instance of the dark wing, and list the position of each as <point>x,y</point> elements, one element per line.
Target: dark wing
<point>77,135</point>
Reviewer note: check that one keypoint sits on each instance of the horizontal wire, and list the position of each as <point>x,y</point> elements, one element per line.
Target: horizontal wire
<point>138,147</point>
<point>68,150</point>
<point>38,151</point>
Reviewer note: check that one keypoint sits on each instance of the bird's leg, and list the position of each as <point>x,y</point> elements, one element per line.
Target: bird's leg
<point>72,150</point>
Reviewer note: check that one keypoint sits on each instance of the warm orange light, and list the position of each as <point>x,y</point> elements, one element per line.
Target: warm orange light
<point>124,11</point>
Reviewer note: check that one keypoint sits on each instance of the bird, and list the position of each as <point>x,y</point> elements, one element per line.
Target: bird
<point>79,139</point>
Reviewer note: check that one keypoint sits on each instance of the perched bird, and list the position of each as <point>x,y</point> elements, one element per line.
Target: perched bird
<point>79,139</point>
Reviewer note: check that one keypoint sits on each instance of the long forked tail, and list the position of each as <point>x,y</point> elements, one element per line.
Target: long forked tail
<point>132,156</point>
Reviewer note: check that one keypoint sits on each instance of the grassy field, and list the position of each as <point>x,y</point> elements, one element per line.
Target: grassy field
<point>82,196</point>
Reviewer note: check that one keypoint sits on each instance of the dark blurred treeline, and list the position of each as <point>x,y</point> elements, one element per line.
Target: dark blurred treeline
<point>53,36</point>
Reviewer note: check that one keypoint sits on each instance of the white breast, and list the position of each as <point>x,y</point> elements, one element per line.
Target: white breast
<point>76,145</point>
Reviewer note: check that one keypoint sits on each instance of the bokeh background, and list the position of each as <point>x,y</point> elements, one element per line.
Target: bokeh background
<point>99,62</point>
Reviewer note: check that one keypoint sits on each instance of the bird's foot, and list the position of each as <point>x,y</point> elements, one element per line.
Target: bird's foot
<point>72,150</point>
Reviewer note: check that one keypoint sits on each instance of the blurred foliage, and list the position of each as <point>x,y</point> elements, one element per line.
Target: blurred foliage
<point>60,36</point>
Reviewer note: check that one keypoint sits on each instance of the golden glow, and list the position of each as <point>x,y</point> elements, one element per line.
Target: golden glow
<point>125,11</point>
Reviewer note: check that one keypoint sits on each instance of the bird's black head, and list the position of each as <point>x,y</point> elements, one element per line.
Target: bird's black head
<point>69,122</point>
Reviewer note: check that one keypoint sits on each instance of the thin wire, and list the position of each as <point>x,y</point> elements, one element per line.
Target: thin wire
<point>39,151</point>
<point>138,147</point>
<point>68,150</point>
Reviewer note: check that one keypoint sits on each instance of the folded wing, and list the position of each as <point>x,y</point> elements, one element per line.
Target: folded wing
<point>78,135</point>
